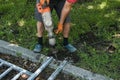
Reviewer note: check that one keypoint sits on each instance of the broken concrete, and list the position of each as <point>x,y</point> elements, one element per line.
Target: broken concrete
<point>15,50</point>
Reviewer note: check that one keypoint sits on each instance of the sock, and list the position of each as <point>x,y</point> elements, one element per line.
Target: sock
<point>40,40</point>
<point>65,41</point>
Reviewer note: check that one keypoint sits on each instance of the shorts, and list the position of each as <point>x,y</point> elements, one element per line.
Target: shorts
<point>53,5</point>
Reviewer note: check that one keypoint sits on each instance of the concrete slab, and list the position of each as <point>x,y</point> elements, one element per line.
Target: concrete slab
<point>15,50</point>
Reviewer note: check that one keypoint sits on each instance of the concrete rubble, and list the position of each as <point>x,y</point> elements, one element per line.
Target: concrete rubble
<point>15,50</point>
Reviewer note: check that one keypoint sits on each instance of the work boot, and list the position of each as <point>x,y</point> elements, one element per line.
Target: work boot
<point>38,48</point>
<point>70,48</point>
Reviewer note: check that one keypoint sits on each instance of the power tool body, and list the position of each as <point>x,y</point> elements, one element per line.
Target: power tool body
<point>44,9</point>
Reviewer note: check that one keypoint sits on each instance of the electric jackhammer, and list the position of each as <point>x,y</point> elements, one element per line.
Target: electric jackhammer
<point>44,9</point>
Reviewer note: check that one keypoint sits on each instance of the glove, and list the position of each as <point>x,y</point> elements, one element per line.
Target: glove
<point>59,28</point>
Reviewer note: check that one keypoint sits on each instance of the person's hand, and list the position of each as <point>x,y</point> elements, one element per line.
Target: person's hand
<point>59,28</point>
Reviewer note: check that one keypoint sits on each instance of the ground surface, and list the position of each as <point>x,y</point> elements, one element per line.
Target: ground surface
<point>93,24</point>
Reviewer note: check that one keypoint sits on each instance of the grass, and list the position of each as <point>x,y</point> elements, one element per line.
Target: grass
<point>101,17</point>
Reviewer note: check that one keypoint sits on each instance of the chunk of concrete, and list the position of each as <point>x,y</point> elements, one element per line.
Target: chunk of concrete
<point>15,50</point>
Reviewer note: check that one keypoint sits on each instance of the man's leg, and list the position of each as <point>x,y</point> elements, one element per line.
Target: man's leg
<point>66,31</point>
<point>40,29</point>
<point>38,46</point>
<point>40,32</point>
<point>66,44</point>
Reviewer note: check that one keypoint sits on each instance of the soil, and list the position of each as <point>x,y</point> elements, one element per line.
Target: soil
<point>31,66</point>
<point>90,39</point>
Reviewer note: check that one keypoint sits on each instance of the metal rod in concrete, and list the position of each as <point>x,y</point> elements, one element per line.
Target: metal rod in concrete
<point>40,69</point>
<point>58,70</point>
<point>15,67</point>
<point>6,72</point>
<point>18,75</point>
<point>1,64</point>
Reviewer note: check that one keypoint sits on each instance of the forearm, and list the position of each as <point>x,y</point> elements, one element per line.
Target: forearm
<point>65,11</point>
